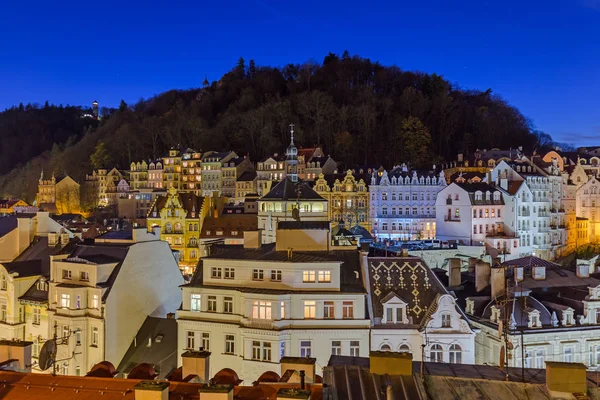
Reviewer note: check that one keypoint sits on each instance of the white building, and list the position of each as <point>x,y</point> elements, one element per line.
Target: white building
<point>100,295</point>
<point>410,308</point>
<point>476,214</point>
<point>212,171</point>
<point>588,206</point>
<point>553,312</point>
<point>402,205</point>
<point>255,304</point>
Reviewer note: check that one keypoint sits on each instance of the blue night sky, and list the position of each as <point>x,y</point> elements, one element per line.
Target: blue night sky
<point>542,56</point>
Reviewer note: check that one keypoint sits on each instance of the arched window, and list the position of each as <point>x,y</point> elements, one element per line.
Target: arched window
<point>404,349</point>
<point>386,347</point>
<point>455,354</point>
<point>168,228</point>
<point>178,227</point>
<point>436,353</point>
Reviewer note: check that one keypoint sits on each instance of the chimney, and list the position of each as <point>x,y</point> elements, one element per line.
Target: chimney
<point>171,315</point>
<point>216,392</point>
<point>252,239</point>
<point>564,378</point>
<point>196,363</point>
<point>19,352</point>
<point>454,265</point>
<point>583,269</point>
<point>300,364</point>
<point>482,275</point>
<point>498,281</point>
<point>391,363</point>
<point>302,379</point>
<point>151,390</point>
<point>504,183</point>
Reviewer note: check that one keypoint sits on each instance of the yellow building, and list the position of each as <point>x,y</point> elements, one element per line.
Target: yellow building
<point>61,196</point>
<point>9,206</point>
<point>172,169</point>
<point>180,217</point>
<point>348,198</point>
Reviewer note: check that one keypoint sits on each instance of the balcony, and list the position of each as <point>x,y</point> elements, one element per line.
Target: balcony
<point>451,219</point>
<point>524,213</point>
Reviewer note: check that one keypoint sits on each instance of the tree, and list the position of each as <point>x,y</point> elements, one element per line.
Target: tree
<point>416,142</point>
<point>251,70</point>
<point>100,158</point>
<point>240,69</point>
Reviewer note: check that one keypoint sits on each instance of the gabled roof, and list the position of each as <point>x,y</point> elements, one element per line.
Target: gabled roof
<point>34,295</point>
<point>189,202</point>
<point>288,190</point>
<point>229,225</point>
<point>247,176</point>
<point>24,268</point>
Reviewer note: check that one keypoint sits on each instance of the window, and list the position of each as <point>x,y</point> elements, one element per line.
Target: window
<point>310,309</point>
<point>261,309</point>
<point>66,332</point>
<point>336,348</point>
<point>325,276</point>
<point>215,273</point>
<point>211,305</point>
<point>568,354</point>
<point>229,273</point>
<point>206,340</point>
<point>404,348</point>
<point>455,354</point>
<point>436,354</point>
<point>196,302</point>
<point>354,348</point>
<point>78,302</point>
<point>261,350</point>
<point>540,356</point>
<point>348,309</point>
<point>308,276</point>
<point>228,305</point>
<point>258,274</point>
<point>85,276</point>
<point>3,312</point>
<point>64,369</point>
<point>65,300</point>
<point>3,282</point>
<point>66,274</point>
<point>78,337</point>
<point>282,310</point>
<point>305,348</point>
<point>229,344</point>
<point>95,302</point>
<point>386,347</point>
<point>275,275</point>
<point>446,321</point>
<point>190,340</point>
<point>95,336</point>
<point>329,309</point>
<point>36,316</point>
<point>281,350</point>
<point>266,351</point>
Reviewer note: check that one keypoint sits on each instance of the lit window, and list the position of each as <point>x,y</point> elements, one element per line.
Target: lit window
<point>261,309</point>
<point>325,276</point>
<point>310,309</point>
<point>308,276</point>
<point>65,300</point>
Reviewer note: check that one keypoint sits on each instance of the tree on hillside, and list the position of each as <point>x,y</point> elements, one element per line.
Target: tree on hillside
<point>100,158</point>
<point>416,142</point>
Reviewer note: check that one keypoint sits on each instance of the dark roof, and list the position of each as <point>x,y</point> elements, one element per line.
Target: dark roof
<point>117,235</point>
<point>155,343</point>
<point>292,225</point>
<point>7,224</point>
<point>471,188</point>
<point>228,224</point>
<point>247,176</point>
<point>97,259</point>
<point>189,202</point>
<point>40,251</point>
<point>33,294</point>
<point>24,268</point>
<point>407,277</point>
<point>288,190</point>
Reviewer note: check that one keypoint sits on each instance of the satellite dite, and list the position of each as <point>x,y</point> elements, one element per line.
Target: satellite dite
<point>48,352</point>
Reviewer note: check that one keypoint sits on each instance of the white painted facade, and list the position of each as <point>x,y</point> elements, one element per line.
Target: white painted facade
<point>402,205</point>
<point>288,311</point>
<point>99,304</point>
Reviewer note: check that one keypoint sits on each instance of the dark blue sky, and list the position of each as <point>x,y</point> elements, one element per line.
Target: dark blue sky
<point>542,56</point>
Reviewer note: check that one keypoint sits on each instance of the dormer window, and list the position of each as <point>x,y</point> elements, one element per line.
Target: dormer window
<point>495,316</point>
<point>470,307</point>
<point>478,196</point>
<point>534,319</point>
<point>446,320</point>
<point>394,311</point>
<point>518,274</point>
<point>539,273</point>
<point>568,318</point>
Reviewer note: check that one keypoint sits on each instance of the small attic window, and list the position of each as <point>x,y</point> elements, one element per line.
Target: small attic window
<point>470,307</point>
<point>208,232</point>
<point>234,233</point>
<point>219,232</point>
<point>159,338</point>
<point>539,273</point>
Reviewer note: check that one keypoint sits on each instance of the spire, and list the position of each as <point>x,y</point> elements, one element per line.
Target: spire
<point>42,175</point>
<point>292,157</point>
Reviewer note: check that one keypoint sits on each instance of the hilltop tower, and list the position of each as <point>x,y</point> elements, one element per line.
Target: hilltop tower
<point>292,158</point>
<point>95,109</point>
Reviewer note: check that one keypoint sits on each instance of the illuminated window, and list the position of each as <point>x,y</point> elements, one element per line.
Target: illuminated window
<point>325,276</point>
<point>310,309</point>
<point>261,309</point>
<point>308,276</point>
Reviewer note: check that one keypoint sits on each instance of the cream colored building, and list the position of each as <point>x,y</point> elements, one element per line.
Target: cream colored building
<point>100,295</point>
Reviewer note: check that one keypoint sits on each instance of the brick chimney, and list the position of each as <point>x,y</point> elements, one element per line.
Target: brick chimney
<point>196,363</point>
<point>151,390</point>
<point>391,363</point>
<point>19,352</point>
<point>482,275</point>
<point>498,281</point>
<point>454,265</point>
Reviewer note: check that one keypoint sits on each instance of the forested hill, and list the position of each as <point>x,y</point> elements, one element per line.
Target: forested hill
<point>360,111</point>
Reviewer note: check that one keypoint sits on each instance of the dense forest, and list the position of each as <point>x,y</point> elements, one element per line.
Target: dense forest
<point>360,111</point>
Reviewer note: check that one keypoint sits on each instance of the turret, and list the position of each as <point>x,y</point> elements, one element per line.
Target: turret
<point>292,157</point>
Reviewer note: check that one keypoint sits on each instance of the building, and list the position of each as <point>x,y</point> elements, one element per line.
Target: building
<point>412,312</point>
<point>347,198</point>
<point>550,313</point>
<point>255,304</point>
<point>228,229</point>
<point>136,204</point>
<point>212,171</point>
<point>316,166</point>
<point>245,185</point>
<point>403,203</point>
<point>138,175</point>
<point>476,214</point>
<point>91,306</point>
<point>180,217</point>
<point>155,175</point>
<point>232,171</point>
<point>11,206</point>
<point>269,170</point>
<point>172,169</point>
<point>588,206</point>
<point>61,195</point>
<point>104,184</point>
<point>191,171</point>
